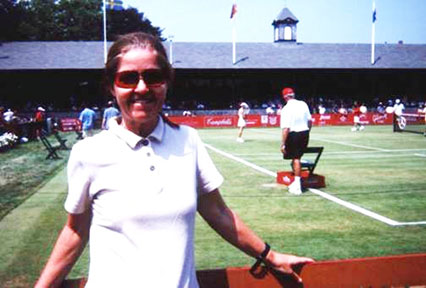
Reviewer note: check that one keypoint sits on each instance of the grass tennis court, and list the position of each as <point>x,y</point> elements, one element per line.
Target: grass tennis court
<point>375,169</point>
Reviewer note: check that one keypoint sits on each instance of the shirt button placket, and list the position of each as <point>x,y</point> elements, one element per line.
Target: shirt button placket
<point>145,143</point>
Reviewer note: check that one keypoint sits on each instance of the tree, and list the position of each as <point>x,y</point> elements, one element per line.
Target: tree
<point>80,20</point>
<point>67,20</point>
<point>11,15</point>
<point>126,21</point>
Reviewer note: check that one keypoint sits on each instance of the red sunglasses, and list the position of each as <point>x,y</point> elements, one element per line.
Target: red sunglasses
<point>130,79</point>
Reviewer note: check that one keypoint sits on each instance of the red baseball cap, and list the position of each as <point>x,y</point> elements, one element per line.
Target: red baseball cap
<point>288,91</point>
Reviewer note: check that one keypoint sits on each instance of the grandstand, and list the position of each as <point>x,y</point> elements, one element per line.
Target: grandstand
<point>205,73</point>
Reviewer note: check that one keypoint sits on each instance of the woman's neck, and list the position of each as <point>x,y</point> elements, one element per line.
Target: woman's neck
<point>141,129</point>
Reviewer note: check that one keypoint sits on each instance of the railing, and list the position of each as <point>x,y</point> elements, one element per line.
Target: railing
<point>392,271</point>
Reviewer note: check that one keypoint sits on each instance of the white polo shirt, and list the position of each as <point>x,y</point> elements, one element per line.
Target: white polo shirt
<point>143,195</point>
<point>295,116</point>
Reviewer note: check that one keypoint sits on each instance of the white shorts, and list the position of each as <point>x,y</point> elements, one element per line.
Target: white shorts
<point>356,119</point>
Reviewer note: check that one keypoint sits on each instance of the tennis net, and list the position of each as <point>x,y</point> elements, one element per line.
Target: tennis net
<point>410,122</point>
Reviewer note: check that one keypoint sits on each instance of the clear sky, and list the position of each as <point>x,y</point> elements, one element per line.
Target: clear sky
<point>320,21</point>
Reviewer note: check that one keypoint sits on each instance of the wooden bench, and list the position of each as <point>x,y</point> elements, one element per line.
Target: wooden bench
<point>391,271</point>
<point>50,148</point>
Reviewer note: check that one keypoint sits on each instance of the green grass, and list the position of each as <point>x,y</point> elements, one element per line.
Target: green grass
<point>24,169</point>
<point>376,169</point>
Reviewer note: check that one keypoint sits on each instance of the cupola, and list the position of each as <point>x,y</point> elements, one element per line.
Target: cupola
<point>285,27</point>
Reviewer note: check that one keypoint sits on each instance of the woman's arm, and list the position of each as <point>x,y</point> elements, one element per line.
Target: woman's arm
<point>227,224</point>
<point>68,247</point>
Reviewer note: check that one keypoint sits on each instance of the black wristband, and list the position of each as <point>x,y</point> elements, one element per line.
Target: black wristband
<point>261,258</point>
<point>265,252</point>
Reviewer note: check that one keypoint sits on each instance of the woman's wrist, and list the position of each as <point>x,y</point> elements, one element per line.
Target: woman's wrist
<point>262,258</point>
<point>269,259</point>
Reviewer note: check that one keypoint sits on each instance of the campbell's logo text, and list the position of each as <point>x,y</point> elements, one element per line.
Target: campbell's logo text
<point>219,122</point>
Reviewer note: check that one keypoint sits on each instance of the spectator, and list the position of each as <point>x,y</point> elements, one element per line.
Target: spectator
<point>109,113</point>
<point>39,121</point>
<point>381,108</point>
<point>8,115</point>
<point>270,111</point>
<point>87,118</point>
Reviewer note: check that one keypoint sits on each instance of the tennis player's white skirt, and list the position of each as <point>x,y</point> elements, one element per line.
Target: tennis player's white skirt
<point>241,122</point>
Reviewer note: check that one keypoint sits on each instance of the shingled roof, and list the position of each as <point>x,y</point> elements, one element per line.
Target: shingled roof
<point>197,55</point>
<point>286,15</point>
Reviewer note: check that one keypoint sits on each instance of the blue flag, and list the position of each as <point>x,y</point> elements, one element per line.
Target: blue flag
<point>114,5</point>
<point>374,15</point>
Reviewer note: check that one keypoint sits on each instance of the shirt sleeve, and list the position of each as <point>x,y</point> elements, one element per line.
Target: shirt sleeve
<point>285,118</point>
<point>308,112</point>
<point>78,198</point>
<point>208,177</point>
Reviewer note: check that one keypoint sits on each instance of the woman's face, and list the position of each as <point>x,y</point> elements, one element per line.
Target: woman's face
<point>140,103</point>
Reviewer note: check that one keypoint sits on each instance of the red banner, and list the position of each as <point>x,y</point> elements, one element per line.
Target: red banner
<point>228,121</point>
<point>70,124</point>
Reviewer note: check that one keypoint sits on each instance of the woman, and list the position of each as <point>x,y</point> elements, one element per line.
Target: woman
<point>241,124</point>
<point>136,187</point>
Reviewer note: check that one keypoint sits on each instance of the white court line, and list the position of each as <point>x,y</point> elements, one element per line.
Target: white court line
<point>352,145</point>
<point>366,152</point>
<point>342,143</point>
<point>230,156</point>
<point>344,152</point>
<point>341,202</point>
<point>357,146</point>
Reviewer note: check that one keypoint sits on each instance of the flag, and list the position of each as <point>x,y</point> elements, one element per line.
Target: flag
<point>234,10</point>
<point>374,12</point>
<point>114,5</point>
<point>373,32</point>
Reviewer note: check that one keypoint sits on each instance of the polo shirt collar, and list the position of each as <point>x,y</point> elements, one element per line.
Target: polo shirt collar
<point>131,138</point>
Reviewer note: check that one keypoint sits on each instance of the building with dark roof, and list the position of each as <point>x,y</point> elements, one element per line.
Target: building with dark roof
<point>68,72</point>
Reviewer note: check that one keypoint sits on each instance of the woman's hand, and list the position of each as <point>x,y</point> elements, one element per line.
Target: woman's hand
<point>285,263</point>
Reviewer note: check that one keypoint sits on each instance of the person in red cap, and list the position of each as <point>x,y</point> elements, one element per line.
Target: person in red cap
<point>39,119</point>
<point>296,122</point>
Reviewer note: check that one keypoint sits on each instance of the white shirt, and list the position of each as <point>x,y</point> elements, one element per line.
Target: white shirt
<point>8,115</point>
<point>398,109</point>
<point>143,195</point>
<point>295,115</point>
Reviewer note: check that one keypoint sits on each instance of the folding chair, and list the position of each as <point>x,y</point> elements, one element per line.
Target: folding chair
<point>61,140</point>
<point>309,164</point>
<point>50,149</point>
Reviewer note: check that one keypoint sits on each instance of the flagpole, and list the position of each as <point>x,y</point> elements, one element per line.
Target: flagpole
<point>373,32</point>
<point>234,33</point>
<point>105,31</point>
<point>171,49</point>
<point>234,36</point>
